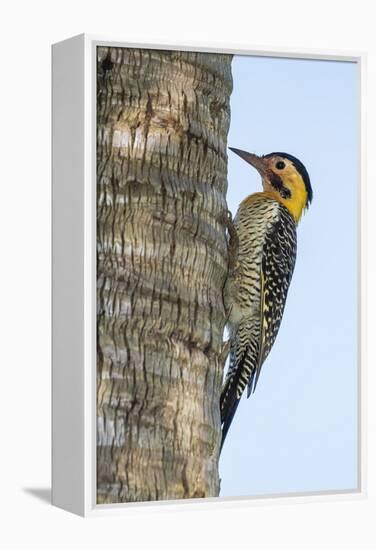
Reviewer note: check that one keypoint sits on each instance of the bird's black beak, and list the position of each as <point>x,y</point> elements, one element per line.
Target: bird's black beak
<point>256,161</point>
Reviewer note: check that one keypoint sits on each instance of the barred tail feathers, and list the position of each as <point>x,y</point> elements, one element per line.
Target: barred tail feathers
<point>229,398</point>
<point>241,373</point>
<point>228,420</point>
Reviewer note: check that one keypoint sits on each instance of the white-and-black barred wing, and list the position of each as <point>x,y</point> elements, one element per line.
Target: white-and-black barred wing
<point>278,262</point>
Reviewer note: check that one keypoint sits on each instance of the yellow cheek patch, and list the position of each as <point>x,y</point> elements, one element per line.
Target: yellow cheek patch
<point>295,204</point>
<point>299,196</point>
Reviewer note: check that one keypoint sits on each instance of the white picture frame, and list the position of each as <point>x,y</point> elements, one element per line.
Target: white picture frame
<point>74,277</point>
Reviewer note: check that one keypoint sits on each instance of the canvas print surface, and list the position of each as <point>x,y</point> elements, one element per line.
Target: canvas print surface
<point>227,275</point>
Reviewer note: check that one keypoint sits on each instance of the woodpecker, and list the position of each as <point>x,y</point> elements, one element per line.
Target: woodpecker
<point>256,289</point>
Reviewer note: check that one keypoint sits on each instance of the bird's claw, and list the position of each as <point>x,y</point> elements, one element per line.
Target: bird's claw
<point>224,217</point>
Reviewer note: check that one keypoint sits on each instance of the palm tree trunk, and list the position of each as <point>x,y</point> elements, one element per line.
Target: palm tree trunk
<point>162,123</point>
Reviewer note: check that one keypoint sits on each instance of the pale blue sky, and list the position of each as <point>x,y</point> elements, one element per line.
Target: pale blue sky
<point>298,431</point>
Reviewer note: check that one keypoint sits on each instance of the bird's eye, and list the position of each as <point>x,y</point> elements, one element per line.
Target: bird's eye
<point>280,165</point>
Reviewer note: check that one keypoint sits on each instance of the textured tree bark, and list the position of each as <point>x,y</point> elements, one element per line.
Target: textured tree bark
<point>162,123</point>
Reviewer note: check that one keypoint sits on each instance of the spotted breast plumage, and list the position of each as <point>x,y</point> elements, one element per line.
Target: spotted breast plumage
<point>258,283</point>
